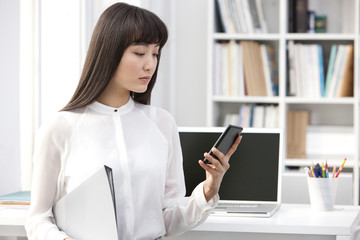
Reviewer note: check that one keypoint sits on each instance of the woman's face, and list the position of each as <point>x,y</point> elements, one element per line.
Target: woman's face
<point>136,68</point>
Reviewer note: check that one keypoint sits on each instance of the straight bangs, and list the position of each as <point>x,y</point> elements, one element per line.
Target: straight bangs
<point>148,29</point>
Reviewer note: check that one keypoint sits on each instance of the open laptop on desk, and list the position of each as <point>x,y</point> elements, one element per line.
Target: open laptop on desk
<point>252,185</point>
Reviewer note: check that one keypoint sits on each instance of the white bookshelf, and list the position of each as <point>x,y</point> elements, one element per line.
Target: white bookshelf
<point>343,27</point>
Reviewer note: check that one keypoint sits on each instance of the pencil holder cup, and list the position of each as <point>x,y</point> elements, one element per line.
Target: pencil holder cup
<point>322,192</point>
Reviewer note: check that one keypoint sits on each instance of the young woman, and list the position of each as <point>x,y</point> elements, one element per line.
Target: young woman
<point>109,122</point>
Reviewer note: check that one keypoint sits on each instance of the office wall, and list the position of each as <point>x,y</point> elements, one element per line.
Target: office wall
<point>190,62</point>
<point>9,96</point>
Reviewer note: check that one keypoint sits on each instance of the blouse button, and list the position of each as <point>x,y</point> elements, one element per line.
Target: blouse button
<point>115,110</point>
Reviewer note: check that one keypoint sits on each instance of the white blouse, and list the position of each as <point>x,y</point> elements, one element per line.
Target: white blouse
<point>141,144</point>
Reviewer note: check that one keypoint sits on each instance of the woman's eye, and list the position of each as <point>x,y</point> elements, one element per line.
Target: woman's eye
<point>155,54</point>
<point>139,54</point>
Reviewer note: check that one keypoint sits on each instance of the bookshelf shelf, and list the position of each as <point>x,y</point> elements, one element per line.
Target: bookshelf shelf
<point>325,111</point>
<point>307,162</point>
<point>298,100</point>
<point>320,36</point>
<point>262,37</point>
<point>247,99</point>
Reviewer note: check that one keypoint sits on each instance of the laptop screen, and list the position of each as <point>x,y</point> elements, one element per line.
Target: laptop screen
<point>254,167</point>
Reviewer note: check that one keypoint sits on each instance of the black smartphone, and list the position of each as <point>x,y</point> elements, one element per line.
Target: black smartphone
<point>226,140</point>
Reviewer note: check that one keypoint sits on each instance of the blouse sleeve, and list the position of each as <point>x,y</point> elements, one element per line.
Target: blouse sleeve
<point>182,213</point>
<point>50,144</point>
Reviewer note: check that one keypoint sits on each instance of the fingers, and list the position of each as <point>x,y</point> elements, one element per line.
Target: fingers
<point>222,163</point>
<point>206,167</point>
<point>212,159</point>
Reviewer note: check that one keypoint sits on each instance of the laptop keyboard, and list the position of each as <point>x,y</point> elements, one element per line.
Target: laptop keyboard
<point>236,205</point>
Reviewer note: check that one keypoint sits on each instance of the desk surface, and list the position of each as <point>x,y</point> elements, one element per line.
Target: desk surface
<point>12,220</point>
<point>291,219</point>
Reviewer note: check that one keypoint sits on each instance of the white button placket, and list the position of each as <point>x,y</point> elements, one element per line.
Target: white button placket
<point>126,217</point>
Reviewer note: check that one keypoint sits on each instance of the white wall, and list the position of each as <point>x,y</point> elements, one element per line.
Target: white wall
<point>191,62</point>
<point>9,96</point>
<point>188,74</point>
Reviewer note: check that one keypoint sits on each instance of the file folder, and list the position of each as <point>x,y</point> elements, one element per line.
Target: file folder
<point>88,211</point>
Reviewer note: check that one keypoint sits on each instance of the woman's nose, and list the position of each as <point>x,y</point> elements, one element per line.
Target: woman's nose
<point>150,63</point>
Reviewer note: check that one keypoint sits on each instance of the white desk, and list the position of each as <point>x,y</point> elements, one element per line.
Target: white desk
<point>12,222</point>
<point>292,221</point>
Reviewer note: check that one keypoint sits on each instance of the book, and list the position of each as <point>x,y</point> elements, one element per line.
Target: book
<point>271,116</point>
<point>240,68</point>
<point>255,16</point>
<point>336,75</point>
<point>266,68</point>
<point>241,16</point>
<point>346,84</point>
<point>292,91</point>
<point>231,119</point>
<point>316,55</point>
<point>274,76</point>
<point>220,21</point>
<point>248,63</point>
<point>330,69</point>
<point>248,18</point>
<point>301,18</point>
<point>217,71</point>
<point>244,115</point>
<point>321,69</point>
<point>298,69</point>
<point>224,16</point>
<point>258,116</point>
<point>253,69</point>
<point>260,11</point>
<point>88,211</point>
<point>259,70</point>
<point>234,69</point>
<point>229,77</point>
<point>291,16</point>
<point>225,69</point>
<point>236,28</point>
<point>16,198</point>
<point>297,122</point>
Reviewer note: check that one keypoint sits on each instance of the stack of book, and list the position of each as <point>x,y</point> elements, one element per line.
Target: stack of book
<point>307,74</point>
<point>241,16</point>
<point>251,115</point>
<point>245,68</point>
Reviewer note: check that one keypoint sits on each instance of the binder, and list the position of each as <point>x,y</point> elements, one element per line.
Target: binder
<point>16,198</point>
<point>88,211</point>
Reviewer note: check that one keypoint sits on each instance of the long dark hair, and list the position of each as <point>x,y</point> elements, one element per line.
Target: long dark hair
<point>120,26</point>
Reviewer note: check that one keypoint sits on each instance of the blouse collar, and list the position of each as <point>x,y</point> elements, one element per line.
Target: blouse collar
<point>102,108</point>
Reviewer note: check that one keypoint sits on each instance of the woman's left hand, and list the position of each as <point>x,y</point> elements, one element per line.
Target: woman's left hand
<point>216,170</point>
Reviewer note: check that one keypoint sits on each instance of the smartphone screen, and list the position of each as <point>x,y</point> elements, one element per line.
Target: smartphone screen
<point>226,140</point>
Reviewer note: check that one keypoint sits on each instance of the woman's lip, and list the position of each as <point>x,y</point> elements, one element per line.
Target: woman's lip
<point>145,78</point>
